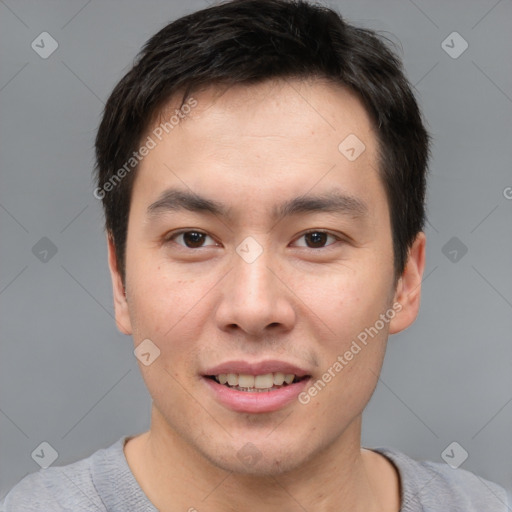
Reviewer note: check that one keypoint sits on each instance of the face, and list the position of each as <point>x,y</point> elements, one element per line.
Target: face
<point>256,250</point>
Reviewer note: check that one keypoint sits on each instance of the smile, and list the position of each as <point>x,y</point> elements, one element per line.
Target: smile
<point>265,386</point>
<point>256,383</point>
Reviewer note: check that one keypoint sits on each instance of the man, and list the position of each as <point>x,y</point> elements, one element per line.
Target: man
<point>262,169</point>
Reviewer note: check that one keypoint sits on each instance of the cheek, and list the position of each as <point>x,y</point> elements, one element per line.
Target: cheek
<point>358,334</point>
<point>352,357</point>
<point>347,301</point>
<point>166,308</point>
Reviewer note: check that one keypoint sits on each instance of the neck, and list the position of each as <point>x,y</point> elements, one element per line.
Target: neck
<point>175,476</point>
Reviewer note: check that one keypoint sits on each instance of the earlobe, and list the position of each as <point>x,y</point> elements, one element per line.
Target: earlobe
<point>408,290</point>
<point>120,304</point>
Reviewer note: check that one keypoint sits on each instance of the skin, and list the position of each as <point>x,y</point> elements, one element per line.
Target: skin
<point>250,148</point>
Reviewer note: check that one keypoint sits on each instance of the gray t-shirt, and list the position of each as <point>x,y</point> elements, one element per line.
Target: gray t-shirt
<point>104,482</point>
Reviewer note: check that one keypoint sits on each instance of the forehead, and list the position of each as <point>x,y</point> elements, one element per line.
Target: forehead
<point>261,141</point>
<point>281,108</point>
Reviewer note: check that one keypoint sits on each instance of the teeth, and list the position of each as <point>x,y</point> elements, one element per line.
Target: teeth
<point>246,381</point>
<point>266,381</point>
<point>289,378</point>
<point>278,378</point>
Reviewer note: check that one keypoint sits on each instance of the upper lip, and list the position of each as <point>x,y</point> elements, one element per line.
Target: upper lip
<point>260,368</point>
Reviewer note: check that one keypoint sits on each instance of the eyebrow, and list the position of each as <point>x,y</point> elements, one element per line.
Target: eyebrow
<point>336,202</point>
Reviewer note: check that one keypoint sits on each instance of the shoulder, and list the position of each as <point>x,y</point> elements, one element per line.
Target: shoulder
<point>63,488</point>
<point>435,486</point>
<point>54,489</point>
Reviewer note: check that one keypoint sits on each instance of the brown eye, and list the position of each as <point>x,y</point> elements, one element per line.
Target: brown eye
<point>190,239</point>
<point>193,239</point>
<point>316,239</point>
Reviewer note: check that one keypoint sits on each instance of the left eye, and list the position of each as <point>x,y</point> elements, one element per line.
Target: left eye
<point>317,239</point>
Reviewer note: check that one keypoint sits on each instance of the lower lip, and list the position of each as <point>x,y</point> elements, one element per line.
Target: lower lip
<point>255,402</point>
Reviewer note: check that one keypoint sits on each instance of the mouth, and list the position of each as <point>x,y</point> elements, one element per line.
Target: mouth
<point>255,388</point>
<point>263,383</point>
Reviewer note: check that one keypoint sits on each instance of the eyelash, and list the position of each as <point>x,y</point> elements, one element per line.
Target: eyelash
<point>170,238</point>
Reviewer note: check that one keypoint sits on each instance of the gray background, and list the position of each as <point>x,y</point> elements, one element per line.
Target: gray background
<point>69,378</point>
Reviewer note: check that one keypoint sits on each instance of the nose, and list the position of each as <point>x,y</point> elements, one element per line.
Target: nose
<point>256,298</point>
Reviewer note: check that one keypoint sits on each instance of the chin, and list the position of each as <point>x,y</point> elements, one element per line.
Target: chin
<point>261,461</point>
<point>264,467</point>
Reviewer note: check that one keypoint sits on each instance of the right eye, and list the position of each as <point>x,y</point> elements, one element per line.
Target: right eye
<point>190,239</point>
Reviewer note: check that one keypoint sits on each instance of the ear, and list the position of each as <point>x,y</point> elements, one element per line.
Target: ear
<point>120,304</point>
<point>408,289</point>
